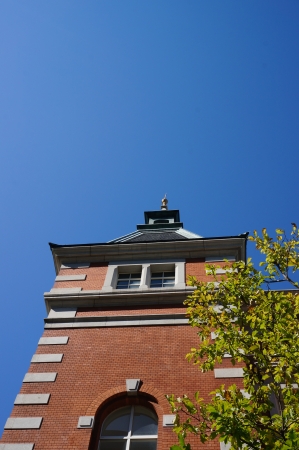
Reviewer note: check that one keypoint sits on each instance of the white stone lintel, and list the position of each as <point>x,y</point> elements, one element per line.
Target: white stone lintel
<point>23,423</point>
<point>54,340</point>
<point>80,277</point>
<point>85,422</point>
<point>16,446</point>
<point>229,373</point>
<point>41,377</point>
<point>168,420</point>
<point>47,358</point>
<point>32,399</point>
<point>66,290</point>
<point>62,313</point>
<point>132,385</point>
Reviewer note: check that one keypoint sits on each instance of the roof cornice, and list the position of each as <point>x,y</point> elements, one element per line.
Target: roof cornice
<point>189,248</point>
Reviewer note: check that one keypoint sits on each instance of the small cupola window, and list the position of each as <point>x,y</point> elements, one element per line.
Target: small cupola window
<point>161,221</point>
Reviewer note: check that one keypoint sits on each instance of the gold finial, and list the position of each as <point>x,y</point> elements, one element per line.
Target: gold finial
<point>164,203</point>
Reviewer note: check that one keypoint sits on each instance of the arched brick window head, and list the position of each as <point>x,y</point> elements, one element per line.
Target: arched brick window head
<point>129,428</point>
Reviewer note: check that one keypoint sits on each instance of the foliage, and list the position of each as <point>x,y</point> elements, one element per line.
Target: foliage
<point>258,327</point>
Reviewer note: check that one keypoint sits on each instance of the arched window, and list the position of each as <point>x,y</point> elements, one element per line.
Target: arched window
<point>129,428</point>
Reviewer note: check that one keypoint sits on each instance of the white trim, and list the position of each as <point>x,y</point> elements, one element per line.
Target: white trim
<point>32,399</point>
<point>118,323</point>
<point>40,377</point>
<point>113,269</point>
<point>229,373</point>
<point>23,423</point>
<point>168,420</point>
<point>80,277</point>
<point>132,385</point>
<point>66,290</point>
<point>85,422</point>
<point>16,446</point>
<point>63,313</point>
<point>54,340</point>
<point>47,358</point>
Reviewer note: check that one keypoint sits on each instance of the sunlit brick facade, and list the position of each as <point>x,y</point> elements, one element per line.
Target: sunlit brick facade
<point>115,341</point>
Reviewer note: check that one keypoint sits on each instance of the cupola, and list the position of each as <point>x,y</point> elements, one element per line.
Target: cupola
<point>163,218</point>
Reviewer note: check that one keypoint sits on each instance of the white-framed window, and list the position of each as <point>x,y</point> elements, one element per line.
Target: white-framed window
<point>128,280</point>
<point>145,275</point>
<point>162,279</point>
<point>129,428</point>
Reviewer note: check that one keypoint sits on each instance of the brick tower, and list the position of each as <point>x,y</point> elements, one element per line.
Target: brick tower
<point>115,341</point>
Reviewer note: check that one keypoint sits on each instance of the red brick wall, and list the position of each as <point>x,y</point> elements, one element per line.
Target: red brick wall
<point>130,311</point>
<point>95,277</point>
<point>94,368</point>
<point>96,274</point>
<point>197,268</point>
<point>97,361</point>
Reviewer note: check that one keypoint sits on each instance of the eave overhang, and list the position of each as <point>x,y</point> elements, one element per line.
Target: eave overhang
<point>128,251</point>
<point>98,299</point>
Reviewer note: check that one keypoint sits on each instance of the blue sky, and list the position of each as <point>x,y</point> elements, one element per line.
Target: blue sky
<point>106,105</point>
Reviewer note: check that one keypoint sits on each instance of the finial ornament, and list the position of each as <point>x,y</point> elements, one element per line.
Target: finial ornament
<point>164,203</point>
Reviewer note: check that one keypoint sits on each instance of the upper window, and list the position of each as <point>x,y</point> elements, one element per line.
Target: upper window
<point>162,279</point>
<point>128,280</point>
<point>145,275</point>
<point>130,428</point>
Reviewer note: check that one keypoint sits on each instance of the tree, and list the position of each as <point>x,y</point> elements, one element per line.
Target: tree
<point>258,326</point>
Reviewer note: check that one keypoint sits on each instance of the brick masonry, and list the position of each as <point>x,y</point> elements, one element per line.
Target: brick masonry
<point>94,369</point>
<point>91,379</point>
<point>129,311</point>
<point>197,268</point>
<point>96,273</point>
<point>95,277</point>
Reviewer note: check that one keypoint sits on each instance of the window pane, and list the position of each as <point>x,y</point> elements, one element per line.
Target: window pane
<point>123,276</point>
<point>156,283</point>
<point>136,275</point>
<point>157,274</point>
<point>112,444</point>
<point>144,422</point>
<point>117,423</point>
<point>169,282</point>
<point>134,282</point>
<point>143,445</point>
<point>122,284</point>
<point>169,274</point>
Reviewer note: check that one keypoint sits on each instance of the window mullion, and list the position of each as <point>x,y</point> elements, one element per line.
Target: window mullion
<point>130,428</point>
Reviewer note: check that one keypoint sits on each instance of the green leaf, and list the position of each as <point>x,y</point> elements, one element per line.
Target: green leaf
<point>259,328</point>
